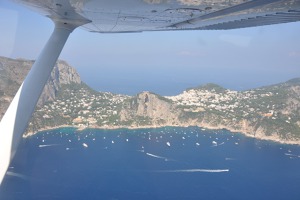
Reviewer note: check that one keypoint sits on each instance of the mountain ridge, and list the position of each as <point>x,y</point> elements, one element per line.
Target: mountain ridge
<point>13,72</point>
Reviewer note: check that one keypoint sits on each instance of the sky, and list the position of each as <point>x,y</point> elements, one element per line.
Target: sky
<point>162,62</point>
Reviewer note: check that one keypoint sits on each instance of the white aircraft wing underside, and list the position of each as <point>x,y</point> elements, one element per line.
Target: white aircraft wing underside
<point>114,16</point>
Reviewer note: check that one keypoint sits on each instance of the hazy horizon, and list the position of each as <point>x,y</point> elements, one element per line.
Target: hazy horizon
<point>170,86</point>
<point>165,86</point>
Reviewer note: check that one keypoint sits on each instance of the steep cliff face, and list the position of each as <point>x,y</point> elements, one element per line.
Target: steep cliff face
<point>149,109</point>
<point>268,113</point>
<point>293,101</point>
<point>62,74</point>
<point>13,72</point>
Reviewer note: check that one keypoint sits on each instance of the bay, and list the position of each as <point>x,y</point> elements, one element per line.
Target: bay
<point>161,163</point>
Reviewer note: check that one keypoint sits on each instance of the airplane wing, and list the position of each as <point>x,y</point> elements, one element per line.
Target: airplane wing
<point>121,16</point>
<point>115,16</point>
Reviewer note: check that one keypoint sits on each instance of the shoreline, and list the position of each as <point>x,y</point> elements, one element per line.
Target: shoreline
<point>106,127</point>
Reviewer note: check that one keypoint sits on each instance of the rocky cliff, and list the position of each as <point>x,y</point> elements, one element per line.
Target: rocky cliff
<point>150,109</point>
<point>13,72</point>
<point>62,74</point>
<point>271,112</point>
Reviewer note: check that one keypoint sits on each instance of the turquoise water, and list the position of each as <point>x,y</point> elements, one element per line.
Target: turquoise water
<point>162,163</point>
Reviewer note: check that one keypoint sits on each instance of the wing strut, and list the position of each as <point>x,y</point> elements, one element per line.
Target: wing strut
<point>18,114</point>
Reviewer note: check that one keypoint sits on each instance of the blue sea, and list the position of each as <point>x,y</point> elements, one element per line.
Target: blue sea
<point>163,163</point>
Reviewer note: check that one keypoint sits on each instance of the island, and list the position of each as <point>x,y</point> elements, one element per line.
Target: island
<point>270,112</point>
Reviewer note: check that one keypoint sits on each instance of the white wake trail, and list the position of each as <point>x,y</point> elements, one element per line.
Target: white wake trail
<point>17,175</point>
<point>160,157</point>
<point>293,155</point>
<point>156,156</point>
<point>47,145</point>
<point>193,171</point>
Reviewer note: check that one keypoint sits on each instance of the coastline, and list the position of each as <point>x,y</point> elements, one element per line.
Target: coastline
<point>244,132</point>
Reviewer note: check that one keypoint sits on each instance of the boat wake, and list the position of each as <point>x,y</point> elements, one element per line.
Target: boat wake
<point>229,158</point>
<point>47,145</point>
<point>221,144</point>
<point>159,157</point>
<point>17,175</point>
<point>193,171</point>
<point>215,144</point>
<point>292,155</point>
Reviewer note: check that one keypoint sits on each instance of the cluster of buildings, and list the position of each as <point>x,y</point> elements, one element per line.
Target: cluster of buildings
<point>84,108</point>
<point>227,101</point>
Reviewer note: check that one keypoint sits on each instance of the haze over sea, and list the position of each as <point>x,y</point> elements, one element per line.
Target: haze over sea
<point>162,163</point>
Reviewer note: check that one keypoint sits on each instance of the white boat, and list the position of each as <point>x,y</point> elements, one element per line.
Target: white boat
<point>168,144</point>
<point>85,145</point>
<point>112,142</point>
<point>197,144</point>
<point>214,143</point>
